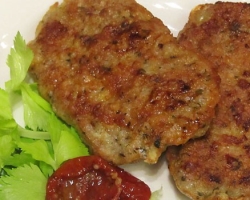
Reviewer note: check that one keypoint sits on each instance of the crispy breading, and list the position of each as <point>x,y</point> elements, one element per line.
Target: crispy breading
<point>115,72</point>
<point>217,166</point>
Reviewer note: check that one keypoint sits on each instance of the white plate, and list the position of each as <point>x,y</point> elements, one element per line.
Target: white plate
<point>24,15</point>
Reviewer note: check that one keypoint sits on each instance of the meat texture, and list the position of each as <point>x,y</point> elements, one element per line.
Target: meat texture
<point>217,165</point>
<point>114,72</point>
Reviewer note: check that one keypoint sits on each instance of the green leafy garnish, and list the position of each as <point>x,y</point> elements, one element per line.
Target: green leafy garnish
<point>156,195</point>
<point>5,108</point>
<point>7,147</point>
<point>23,183</point>
<point>19,60</point>
<point>30,153</point>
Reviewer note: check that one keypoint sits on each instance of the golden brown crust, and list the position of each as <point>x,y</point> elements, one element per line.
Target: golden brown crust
<point>115,72</point>
<point>217,166</point>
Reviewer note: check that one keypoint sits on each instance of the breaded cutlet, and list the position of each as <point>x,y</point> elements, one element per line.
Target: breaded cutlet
<point>115,72</point>
<point>217,166</point>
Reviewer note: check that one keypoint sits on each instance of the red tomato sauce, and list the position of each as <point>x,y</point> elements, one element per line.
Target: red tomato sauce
<point>93,178</point>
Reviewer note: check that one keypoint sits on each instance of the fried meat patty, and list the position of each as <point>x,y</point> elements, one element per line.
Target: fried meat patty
<point>217,166</point>
<point>114,72</point>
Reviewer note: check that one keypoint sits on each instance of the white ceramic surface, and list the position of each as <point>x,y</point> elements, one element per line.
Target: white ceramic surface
<point>24,15</point>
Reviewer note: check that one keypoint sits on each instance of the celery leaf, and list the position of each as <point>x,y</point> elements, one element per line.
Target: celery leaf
<point>7,147</point>
<point>23,183</point>
<point>18,159</point>
<point>66,142</point>
<point>36,109</point>
<point>39,150</point>
<point>5,108</point>
<point>69,146</point>
<point>18,60</point>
